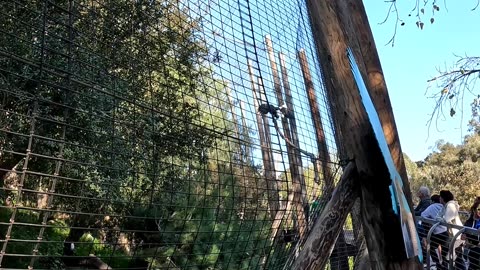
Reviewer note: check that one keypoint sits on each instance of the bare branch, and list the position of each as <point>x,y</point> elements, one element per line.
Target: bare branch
<point>476,6</point>
<point>393,6</point>
<point>454,83</point>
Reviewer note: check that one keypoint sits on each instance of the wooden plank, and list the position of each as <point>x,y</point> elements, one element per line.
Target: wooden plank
<point>329,225</point>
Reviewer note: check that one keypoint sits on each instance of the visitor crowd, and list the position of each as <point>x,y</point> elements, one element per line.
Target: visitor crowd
<point>444,207</point>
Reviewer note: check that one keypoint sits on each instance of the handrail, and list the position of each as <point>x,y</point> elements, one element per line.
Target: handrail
<point>435,224</point>
<point>429,236</point>
<point>451,248</point>
<point>448,225</point>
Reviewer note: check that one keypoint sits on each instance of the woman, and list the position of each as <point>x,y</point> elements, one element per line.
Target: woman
<point>472,240</point>
<point>449,214</point>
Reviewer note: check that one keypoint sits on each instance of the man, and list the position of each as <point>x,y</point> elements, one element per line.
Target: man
<point>424,196</point>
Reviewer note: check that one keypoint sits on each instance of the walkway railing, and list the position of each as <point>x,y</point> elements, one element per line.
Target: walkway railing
<point>452,240</point>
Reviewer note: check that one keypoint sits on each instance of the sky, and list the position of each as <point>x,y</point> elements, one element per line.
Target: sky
<point>415,58</point>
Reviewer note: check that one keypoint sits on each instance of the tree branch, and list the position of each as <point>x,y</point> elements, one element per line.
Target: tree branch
<point>453,83</point>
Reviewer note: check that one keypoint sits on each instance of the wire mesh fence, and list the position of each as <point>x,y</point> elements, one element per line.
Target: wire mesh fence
<point>169,134</point>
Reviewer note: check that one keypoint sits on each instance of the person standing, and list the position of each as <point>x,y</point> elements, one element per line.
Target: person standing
<point>424,196</point>
<point>472,241</point>
<point>449,215</point>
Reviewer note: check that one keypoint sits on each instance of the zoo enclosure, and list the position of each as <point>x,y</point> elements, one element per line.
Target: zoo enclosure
<point>162,134</point>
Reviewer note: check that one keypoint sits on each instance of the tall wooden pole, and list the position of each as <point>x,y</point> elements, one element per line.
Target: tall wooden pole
<point>298,182</point>
<point>381,226</point>
<point>354,21</point>
<point>245,130</point>
<point>235,123</point>
<point>324,157</point>
<point>377,86</point>
<point>266,149</point>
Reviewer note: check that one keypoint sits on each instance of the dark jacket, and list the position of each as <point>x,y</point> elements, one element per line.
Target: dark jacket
<point>475,224</point>
<point>422,206</point>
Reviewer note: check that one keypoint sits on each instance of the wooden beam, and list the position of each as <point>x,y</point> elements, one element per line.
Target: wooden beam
<point>329,225</point>
<point>291,119</point>
<point>381,225</point>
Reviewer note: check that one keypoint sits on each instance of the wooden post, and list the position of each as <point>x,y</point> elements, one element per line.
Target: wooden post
<point>266,149</point>
<point>377,86</point>
<point>245,131</point>
<point>324,157</point>
<point>232,111</point>
<point>298,181</point>
<point>381,225</point>
<point>235,123</point>
<point>329,225</point>
<point>354,21</point>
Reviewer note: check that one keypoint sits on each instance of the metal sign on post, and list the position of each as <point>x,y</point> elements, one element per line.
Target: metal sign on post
<point>399,201</point>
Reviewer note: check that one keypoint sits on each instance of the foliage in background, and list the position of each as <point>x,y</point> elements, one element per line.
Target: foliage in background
<point>452,167</point>
<point>148,140</point>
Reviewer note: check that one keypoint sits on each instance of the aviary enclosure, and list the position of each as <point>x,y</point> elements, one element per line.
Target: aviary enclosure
<point>146,134</point>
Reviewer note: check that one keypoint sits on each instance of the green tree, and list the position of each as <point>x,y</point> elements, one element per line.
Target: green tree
<point>453,167</point>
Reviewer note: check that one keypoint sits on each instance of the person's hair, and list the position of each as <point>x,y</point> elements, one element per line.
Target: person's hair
<point>473,209</point>
<point>435,198</point>
<point>446,196</point>
<point>424,191</point>
<point>477,199</point>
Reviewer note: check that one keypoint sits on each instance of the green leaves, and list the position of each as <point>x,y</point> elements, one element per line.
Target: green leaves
<point>453,167</point>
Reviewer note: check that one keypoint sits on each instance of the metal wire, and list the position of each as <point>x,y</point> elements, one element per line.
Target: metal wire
<point>131,135</point>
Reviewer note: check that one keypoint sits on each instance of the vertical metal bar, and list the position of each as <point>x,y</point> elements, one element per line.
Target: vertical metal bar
<point>429,236</point>
<point>451,248</point>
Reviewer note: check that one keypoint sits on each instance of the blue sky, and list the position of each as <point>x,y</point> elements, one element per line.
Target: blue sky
<point>415,58</point>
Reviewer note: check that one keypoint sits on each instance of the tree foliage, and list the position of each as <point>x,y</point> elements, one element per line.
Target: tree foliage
<point>452,167</point>
<point>129,136</point>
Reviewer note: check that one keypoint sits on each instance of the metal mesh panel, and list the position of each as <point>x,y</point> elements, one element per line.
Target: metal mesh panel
<point>160,134</point>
